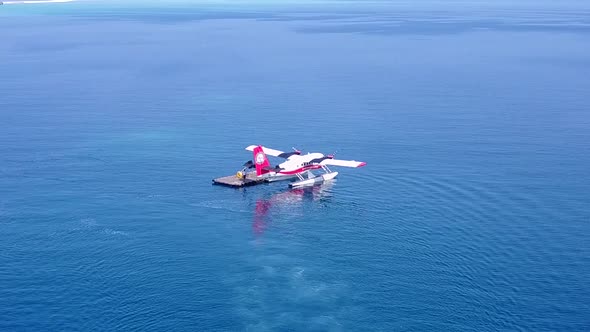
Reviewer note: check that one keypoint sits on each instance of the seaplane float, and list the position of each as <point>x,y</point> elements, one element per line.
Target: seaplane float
<point>297,167</point>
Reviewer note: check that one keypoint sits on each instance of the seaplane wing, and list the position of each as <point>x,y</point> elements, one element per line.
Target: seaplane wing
<point>273,152</point>
<point>345,163</point>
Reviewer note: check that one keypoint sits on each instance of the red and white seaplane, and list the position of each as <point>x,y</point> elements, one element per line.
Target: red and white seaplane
<point>297,166</point>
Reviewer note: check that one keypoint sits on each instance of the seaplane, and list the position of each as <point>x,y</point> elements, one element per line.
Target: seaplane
<point>297,166</point>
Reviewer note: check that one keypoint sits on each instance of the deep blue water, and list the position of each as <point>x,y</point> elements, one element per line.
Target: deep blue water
<point>473,212</point>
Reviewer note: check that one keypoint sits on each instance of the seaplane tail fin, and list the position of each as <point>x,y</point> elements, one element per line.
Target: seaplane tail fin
<point>260,160</point>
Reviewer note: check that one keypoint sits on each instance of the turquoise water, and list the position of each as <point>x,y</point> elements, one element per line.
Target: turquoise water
<point>471,214</point>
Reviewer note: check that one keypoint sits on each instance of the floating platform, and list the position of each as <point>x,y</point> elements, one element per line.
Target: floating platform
<point>233,181</point>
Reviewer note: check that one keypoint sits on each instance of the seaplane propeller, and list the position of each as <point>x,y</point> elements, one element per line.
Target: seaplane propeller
<point>275,169</point>
<point>319,160</point>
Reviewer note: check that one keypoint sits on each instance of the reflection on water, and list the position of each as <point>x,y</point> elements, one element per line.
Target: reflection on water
<point>292,199</point>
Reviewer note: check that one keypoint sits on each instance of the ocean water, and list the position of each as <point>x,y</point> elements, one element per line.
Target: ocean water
<point>472,214</point>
